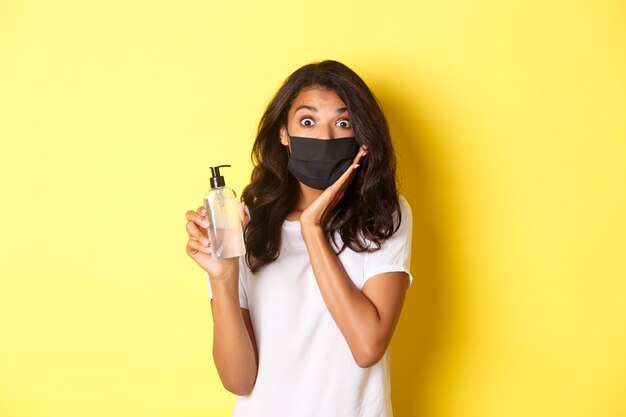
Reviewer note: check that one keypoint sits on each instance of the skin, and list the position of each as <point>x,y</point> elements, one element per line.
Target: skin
<point>366,318</point>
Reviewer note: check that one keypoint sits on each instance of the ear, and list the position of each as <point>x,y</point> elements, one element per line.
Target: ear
<point>284,139</point>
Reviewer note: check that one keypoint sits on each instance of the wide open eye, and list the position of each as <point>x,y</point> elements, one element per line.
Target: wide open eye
<point>344,124</point>
<point>307,121</point>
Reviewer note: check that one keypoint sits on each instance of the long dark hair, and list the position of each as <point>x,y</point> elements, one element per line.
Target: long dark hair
<point>365,213</point>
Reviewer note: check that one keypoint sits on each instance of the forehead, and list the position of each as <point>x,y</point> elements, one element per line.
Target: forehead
<point>320,98</point>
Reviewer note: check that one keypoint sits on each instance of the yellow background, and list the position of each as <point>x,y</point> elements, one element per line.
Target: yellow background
<point>509,118</point>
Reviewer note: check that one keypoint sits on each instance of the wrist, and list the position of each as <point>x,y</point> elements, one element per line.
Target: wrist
<point>225,270</point>
<point>219,284</point>
<point>309,222</point>
<point>310,228</point>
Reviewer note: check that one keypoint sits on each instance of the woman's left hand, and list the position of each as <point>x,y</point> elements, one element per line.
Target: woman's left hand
<point>318,211</point>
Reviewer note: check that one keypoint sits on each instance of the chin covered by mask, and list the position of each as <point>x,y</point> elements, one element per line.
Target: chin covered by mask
<point>318,163</point>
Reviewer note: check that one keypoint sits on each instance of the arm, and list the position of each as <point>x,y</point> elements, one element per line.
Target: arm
<point>234,346</point>
<point>366,318</point>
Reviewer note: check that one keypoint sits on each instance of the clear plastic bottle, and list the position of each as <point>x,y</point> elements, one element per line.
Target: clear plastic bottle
<point>225,231</point>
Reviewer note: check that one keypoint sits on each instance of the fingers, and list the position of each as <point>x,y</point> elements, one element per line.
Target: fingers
<point>345,178</point>
<point>198,217</point>
<point>349,173</point>
<point>197,225</point>
<point>196,229</point>
<point>360,154</point>
<point>352,168</point>
<point>196,234</point>
<point>193,247</point>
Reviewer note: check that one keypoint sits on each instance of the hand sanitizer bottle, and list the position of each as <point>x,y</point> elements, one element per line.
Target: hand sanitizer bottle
<point>225,231</point>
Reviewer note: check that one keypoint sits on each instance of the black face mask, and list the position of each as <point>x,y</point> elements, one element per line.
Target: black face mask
<point>318,163</point>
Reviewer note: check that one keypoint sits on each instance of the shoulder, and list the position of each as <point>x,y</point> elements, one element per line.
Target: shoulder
<point>402,225</point>
<point>394,253</point>
<point>405,207</point>
<point>406,214</point>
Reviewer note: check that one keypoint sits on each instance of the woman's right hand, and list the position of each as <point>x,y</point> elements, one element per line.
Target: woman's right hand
<point>199,246</point>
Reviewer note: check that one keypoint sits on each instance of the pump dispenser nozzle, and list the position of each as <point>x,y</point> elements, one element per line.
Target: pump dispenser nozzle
<point>216,179</point>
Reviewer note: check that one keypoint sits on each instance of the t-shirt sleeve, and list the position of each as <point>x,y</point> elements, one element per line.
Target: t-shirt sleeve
<point>243,300</point>
<point>394,253</point>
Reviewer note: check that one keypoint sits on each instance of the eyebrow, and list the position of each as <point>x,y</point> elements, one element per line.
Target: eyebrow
<point>315,110</point>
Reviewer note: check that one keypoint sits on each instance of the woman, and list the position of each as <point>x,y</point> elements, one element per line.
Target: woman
<point>303,321</point>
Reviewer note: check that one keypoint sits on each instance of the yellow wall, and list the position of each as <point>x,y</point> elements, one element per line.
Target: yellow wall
<point>509,119</point>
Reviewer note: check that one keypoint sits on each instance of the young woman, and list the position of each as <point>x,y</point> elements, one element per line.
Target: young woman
<point>302,322</point>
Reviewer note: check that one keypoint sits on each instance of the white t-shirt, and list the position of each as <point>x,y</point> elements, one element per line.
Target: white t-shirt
<point>306,368</point>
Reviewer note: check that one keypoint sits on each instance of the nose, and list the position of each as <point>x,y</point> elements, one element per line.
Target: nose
<point>326,132</point>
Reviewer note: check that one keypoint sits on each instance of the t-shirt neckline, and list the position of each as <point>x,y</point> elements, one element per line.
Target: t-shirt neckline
<point>291,224</point>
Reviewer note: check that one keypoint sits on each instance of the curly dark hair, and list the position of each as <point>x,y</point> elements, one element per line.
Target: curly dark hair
<point>363,218</point>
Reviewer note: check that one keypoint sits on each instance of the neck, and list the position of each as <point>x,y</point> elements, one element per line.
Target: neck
<point>305,197</point>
